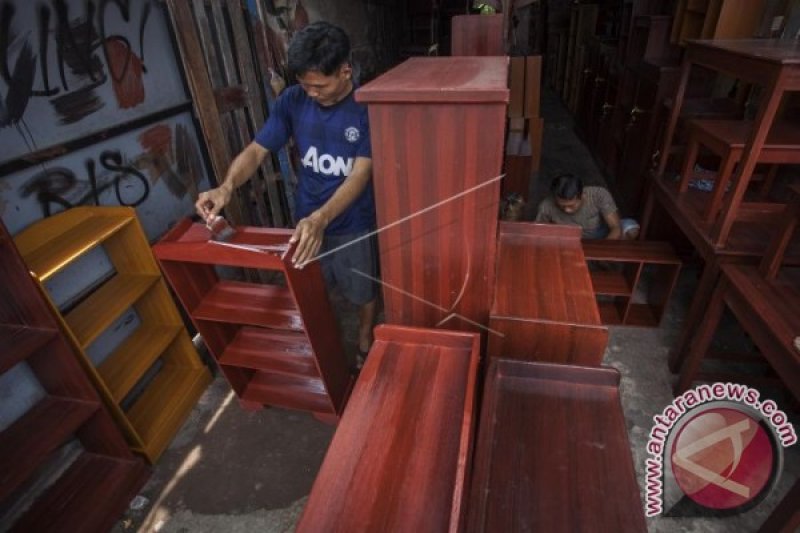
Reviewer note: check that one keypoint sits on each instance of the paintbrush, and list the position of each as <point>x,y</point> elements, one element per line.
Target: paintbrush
<point>220,229</point>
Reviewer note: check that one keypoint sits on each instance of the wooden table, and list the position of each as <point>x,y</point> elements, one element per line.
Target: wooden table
<point>740,232</point>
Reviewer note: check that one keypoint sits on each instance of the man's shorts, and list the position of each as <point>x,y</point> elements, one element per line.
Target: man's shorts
<point>351,268</point>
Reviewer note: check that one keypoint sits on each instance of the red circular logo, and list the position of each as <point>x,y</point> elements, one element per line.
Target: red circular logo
<point>723,458</point>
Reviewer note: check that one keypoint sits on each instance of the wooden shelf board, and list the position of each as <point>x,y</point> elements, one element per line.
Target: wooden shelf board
<point>19,342</point>
<point>287,352</point>
<point>28,441</point>
<point>610,283</point>
<point>97,312</point>
<point>128,363</point>
<point>292,392</point>
<point>249,303</point>
<point>161,410</point>
<point>55,253</point>
<point>90,496</point>
<point>642,315</point>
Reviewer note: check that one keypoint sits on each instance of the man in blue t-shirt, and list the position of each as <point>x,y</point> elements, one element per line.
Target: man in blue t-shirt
<point>334,200</point>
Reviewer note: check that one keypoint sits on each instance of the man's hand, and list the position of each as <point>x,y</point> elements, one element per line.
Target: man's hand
<point>211,202</point>
<point>308,235</point>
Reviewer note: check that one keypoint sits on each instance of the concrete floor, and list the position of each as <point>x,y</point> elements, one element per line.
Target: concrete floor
<point>235,471</point>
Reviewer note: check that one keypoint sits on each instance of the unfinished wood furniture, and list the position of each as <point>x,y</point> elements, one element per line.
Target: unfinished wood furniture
<point>437,149</point>
<point>66,410</point>
<point>552,452</point>
<point>635,280</point>
<point>477,35</point>
<point>726,139</point>
<point>582,24</point>
<point>765,300</point>
<point>544,306</point>
<point>276,345</point>
<point>741,231</point>
<point>400,456</point>
<point>151,381</point>
<point>716,19</point>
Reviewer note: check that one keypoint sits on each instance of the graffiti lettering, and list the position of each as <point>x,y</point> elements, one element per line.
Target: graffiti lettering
<point>60,187</point>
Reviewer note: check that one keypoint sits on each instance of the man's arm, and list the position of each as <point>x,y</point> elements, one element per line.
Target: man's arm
<point>615,230</point>
<point>244,165</point>
<point>310,230</point>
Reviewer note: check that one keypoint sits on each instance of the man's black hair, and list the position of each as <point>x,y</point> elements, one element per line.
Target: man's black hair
<point>567,187</point>
<point>321,47</point>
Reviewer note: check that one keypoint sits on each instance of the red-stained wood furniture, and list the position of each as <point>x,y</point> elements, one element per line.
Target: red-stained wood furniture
<point>766,302</point>
<point>726,139</point>
<point>742,230</point>
<point>544,305</point>
<point>552,452</point>
<point>437,129</point>
<point>622,270</point>
<point>477,35</point>
<point>276,345</point>
<point>400,456</point>
<point>95,489</point>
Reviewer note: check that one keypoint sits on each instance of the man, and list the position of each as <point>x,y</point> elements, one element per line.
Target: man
<point>591,208</point>
<point>334,199</point>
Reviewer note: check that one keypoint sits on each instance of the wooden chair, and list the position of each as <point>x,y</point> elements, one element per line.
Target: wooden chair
<point>727,139</point>
<point>765,300</point>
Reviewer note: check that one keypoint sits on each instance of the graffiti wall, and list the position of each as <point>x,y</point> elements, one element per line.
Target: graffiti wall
<point>157,169</point>
<point>69,68</point>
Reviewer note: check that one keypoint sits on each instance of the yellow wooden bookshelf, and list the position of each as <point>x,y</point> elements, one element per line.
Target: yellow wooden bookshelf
<point>151,381</point>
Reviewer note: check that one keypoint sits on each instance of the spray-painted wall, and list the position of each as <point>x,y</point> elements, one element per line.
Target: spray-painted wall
<point>93,111</point>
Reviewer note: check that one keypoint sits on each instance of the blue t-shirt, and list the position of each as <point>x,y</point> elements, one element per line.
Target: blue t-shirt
<point>329,140</point>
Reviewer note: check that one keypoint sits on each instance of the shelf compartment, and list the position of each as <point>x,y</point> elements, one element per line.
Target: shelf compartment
<point>47,254</point>
<point>286,352</point>
<point>23,446</point>
<point>128,363</point>
<point>73,501</point>
<point>293,392</point>
<point>642,315</point>
<point>612,312</point>
<point>164,405</point>
<point>237,302</point>
<point>611,283</point>
<point>19,342</point>
<point>97,312</point>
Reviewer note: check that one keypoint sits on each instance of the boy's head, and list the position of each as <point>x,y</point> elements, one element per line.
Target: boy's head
<point>567,192</point>
<point>319,56</point>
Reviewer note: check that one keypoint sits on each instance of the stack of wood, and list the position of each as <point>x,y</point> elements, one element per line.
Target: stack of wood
<point>525,127</point>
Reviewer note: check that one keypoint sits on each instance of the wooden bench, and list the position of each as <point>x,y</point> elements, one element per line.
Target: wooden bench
<point>544,306</point>
<point>399,458</point>
<point>552,452</point>
<point>766,302</point>
<point>620,289</point>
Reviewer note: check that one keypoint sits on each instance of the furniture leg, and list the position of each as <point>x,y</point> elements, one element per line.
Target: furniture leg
<point>726,166</point>
<point>698,308</point>
<point>775,90</point>
<point>666,144</point>
<point>687,172</point>
<point>702,340</point>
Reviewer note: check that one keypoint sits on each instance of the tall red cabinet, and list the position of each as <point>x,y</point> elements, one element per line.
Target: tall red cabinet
<point>437,127</point>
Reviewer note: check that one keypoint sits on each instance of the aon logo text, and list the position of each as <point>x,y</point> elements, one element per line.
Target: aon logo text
<point>327,164</point>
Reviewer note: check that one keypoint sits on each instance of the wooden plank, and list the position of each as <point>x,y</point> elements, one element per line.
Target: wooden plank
<point>477,35</point>
<point>205,106</point>
<point>548,434</point>
<point>533,86</point>
<point>399,458</point>
<point>516,104</point>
